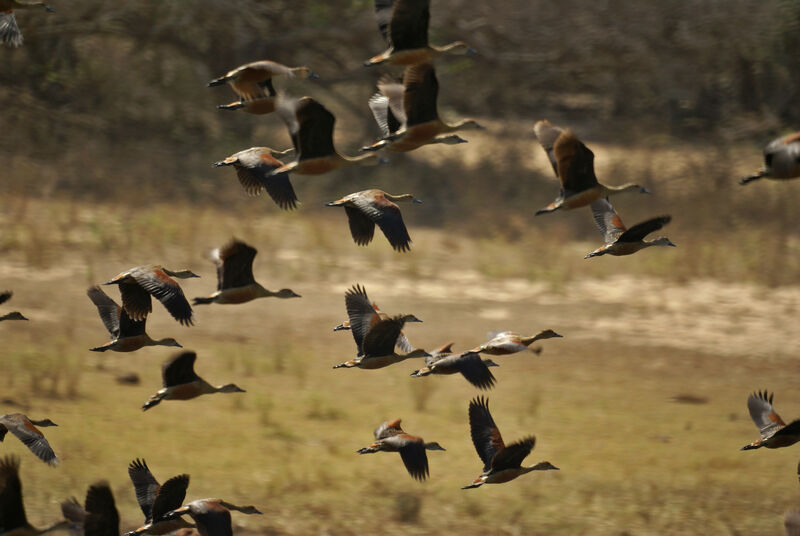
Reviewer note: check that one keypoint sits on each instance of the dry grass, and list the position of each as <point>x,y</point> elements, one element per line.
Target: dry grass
<point>598,401</point>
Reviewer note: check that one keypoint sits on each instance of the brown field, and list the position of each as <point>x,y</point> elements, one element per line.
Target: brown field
<point>599,401</point>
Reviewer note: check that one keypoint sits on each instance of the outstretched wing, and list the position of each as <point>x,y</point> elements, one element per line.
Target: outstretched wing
<point>362,227</point>
<point>415,459</point>
<point>179,369</point>
<point>382,337</point>
<point>420,94</point>
<point>763,414</point>
<point>107,308</point>
<point>236,258</point>
<point>166,290</point>
<point>408,28</point>
<point>31,437</point>
<point>511,457</point>
<point>145,485</point>
<point>361,313</point>
<point>607,220</point>
<point>103,517</point>
<point>575,163</point>
<point>170,496</point>
<point>640,230</point>
<point>475,370</point>
<point>388,217</point>
<point>485,434</point>
<point>12,511</point>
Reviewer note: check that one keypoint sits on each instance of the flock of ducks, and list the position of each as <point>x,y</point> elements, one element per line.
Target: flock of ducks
<point>406,113</point>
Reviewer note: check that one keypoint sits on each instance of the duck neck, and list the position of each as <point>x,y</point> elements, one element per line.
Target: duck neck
<point>608,190</point>
<point>401,197</point>
<point>347,161</point>
<point>461,125</point>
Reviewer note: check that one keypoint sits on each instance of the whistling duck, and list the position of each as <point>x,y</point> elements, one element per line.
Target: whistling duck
<point>157,500</point>
<point>508,342</point>
<point>9,31</point>
<point>774,432</point>
<point>501,463</point>
<point>781,160</point>
<point>127,335</point>
<point>182,383</point>
<point>235,282</point>
<point>377,344</point>
<point>138,284</point>
<point>250,81</point>
<point>100,516</point>
<point>622,241</point>
<point>369,314</point>
<point>366,208</point>
<point>23,427</point>
<point>12,511</point>
<point>389,437</point>
<point>213,516</point>
<point>311,128</point>
<point>407,115</point>
<point>15,315</point>
<point>469,364</point>
<point>573,164</point>
<point>363,315</point>
<point>253,166</point>
<point>404,26</point>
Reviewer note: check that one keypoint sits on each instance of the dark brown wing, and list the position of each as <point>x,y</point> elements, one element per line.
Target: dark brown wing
<point>408,28</point>
<point>31,437</point>
<point>145,485</point>
<point>575,163</point>
<point>637,232</point>
<point>420,94</point>
<point>166,290</point>
<point>388,217</point>
<point>415,459</point>
<point>103,518</point>
<point>485,434</point>
<point>179,369</point>
<point>253,167</point>
<point>280,189</point>
<point>383,15</point>
<point>475,370</point>
<point>362,228</point>
<point>381,338</point>
<point>315,134</point>
<point>12,511</point>
<point>135,300</point>
<point>361,313</point>
<point>5,296</point>
<point>237,264</point>
<point>791,429</point>
<point>170,496</point>
<point>512,455</point>
<point>107,308</point>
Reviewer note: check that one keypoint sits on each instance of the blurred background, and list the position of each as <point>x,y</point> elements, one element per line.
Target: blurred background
<point>107,136</point>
